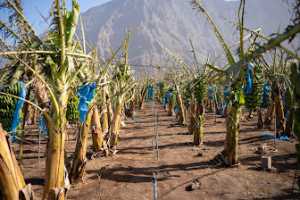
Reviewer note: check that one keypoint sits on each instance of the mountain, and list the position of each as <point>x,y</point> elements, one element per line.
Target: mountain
<point>160,24</point>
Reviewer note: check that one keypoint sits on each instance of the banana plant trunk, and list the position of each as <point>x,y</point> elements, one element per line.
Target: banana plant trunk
<point>270,115</point>
<point>130,111</point>
<point>55,162</point>
<point>143,96</point>
<point>232,135</point>
<point>109,114</point>
<point>260,122</point>
<point>182,116</point>
<point>105,113</point>
<point>56,123</point>
<point>280,112</point>
<point>171,106</point>
<point>199,125</point>
<point>290,123</point>
<point>33,115</point>
<point>11,178</point>
<point>192,110</point>
<point>116,123</point>
<point>132,108</point>
<point>79,162</point>
<point>97,133</point>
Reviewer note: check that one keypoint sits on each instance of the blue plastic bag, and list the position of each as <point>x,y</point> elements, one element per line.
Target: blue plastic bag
<point>211,92</point>
<point>249,79</point>
<point>150,92</point>
<point>266,94</point>
<point>85,93</point>
<point>16,115</point>
<point>42,126</point>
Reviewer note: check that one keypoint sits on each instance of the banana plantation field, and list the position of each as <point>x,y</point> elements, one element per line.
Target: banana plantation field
<point>129,173</point>
<point>76,124</point>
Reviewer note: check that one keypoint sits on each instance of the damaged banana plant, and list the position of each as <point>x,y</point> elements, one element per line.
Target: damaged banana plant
<point>59,59</point>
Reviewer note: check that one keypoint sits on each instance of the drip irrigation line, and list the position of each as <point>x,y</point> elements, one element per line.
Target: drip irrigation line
<point>156,137</point>
<point>154,186</point>
<point>39,145</point>
<point>155,151</point>
<point>295,179</point>
<point>153,66</point>
<point>275,128</point>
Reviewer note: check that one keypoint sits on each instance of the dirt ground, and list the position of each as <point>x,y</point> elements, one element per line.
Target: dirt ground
<point>128,174</point>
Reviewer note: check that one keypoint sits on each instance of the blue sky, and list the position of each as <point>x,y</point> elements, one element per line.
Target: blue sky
<point>34,8</point>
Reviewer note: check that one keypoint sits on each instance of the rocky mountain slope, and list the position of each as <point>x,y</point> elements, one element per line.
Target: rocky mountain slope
<point>159,24</point>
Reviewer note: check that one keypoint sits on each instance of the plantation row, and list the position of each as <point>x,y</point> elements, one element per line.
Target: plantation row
<point>53,81</point>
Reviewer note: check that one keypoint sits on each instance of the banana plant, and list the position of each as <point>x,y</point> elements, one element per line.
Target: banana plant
<point>60,60</point>
<point>130,103</point>
<point>93,92</point>
<point>16,35</point>
<point>162,89</point>
<point>281,87</point>
<point>295,78</point>
<point>86,93</point>
<point>123,83</point>
<point>142,91</point>
<point>179,77</point>
<point>199,88</point>
<point>254,84</point>
<point>176,78</point>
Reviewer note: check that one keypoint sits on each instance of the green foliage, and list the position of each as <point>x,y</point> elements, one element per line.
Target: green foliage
<point>163,88</point>
<point>237,94</point>
<point>254,100</point>
<point>72,109</point>
<point>173,97</point>
<point>8,105</point>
